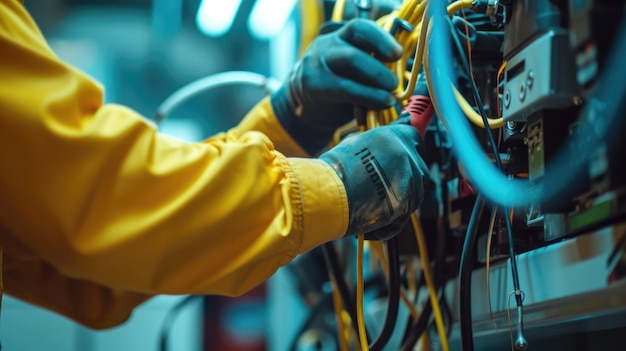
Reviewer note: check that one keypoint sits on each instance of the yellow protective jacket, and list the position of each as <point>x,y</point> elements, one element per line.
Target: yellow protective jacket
<point>99,212</point>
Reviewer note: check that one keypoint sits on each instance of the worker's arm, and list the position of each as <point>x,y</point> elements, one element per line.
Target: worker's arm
<point>96,192</point>
<point>110,212</point>
<point>262,118</point>
<point>339,69</point>
<point>91,304</point>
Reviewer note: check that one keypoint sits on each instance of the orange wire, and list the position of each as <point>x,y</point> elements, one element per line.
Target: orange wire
<point>469,50</point>
<point>467,39</point>
<point>500,70</point>
<point>498,112</point>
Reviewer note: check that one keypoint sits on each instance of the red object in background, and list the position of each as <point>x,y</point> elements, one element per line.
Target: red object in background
<point>236,323</point>
<point>465,188</point>
<point>421,109</point>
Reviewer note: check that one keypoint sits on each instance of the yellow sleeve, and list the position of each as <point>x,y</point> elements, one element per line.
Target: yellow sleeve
<point>95,192</point>
<point>88,303</point>
<point>262,119</point>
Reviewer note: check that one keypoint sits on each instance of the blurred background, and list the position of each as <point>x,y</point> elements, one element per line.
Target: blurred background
<point>142,51</point>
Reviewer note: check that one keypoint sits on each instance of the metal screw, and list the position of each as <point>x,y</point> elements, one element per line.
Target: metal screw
<point>530,79</point>
<point>522,92</point>
<point>511,125</point>
<point>507,98</point>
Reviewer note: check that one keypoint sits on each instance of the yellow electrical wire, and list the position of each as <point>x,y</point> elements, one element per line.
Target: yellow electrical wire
<point>421,243</point>
<point>459,5</point>
<point>474,116</point>
<point>417,38</point>
<point>407,302</point>
<point>339,312</point>
<point>372,119</point>
<point>386,21</point>
<point>500,70</point>
<point>406,40</point>
<point>414,18</point>
<point>312,15</point>
<point>469,50</point>
<point>410,274</point>
<point>338,9</point>
<point>419,53</point>
<point>467,109</point>
<point>476,119</point>
<point>410,11</point>
<point>413,42</point>
<point>419,35</point>
<point>359,294</point>
<point>425,342</point>
<point>407,7</point>
<point>377,250</point>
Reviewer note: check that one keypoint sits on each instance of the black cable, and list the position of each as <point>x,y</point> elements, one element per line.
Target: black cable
<point>440,247</point>
<point>409,325</point>
<point>465,274</point>
<point>169,320</point>
<point>324,303</point>
<point>334,270</point>
<point>496,154</point>
<point>481,109</point>
<point>417,328</point>
<point>445,308</point>
<point>600,125</point>
<point>320,306</point>
<point>393,256</point>
<point>514,274</point>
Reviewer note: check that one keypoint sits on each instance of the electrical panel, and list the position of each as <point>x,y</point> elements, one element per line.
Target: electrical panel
<point>549,75</point>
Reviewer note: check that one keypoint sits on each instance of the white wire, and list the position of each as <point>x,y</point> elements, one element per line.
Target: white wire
<point>508,310</point>
<point>213,81</point>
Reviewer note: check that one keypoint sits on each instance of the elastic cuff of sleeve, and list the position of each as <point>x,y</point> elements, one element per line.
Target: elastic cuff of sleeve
<point>324,202</point>
<point>311,139</point>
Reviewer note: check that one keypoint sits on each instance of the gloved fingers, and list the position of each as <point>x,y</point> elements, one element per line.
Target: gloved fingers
<point>362,95</point>
<point>411,142</point>
<point>371,38</point>
<point>415,138</point>
<point>361,67</point>
<point>327,91</point>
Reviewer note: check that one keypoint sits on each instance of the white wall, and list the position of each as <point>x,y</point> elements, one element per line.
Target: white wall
<point>24,327</point>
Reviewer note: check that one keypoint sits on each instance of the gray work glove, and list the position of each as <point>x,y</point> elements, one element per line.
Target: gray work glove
<point>384,178</point>
<point>339,70</point>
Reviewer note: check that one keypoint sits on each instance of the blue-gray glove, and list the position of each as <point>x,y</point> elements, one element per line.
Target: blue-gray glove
<point>384,178</point>
<point>340,69</point>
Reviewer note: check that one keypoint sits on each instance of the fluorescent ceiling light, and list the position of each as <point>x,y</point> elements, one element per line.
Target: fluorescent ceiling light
<point>215,17</point>
<point>268,17</point>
